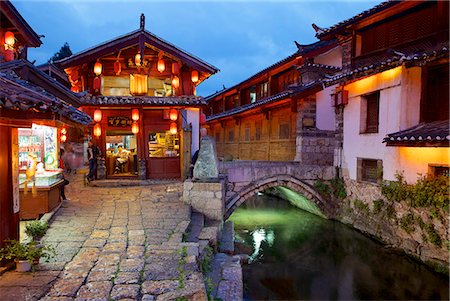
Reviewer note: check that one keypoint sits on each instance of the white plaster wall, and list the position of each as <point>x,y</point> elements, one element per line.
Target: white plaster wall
<point>325,116</point>
<point>399,109</point>
<point>332,57</point>
<point>193,117</point>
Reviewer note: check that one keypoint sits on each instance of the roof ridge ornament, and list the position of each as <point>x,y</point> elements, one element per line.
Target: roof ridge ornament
<point>142,23</point>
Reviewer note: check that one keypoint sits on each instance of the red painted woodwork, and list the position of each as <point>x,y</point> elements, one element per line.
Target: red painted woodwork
<point>9,222</point>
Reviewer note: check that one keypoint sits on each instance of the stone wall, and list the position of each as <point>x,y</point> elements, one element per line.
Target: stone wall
<point>206,198</point>
<point>366,209</point>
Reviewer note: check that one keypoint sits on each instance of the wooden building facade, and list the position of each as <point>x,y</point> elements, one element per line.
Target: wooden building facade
<point>140,90</point>
<point>263,117</point>
<point>30,103</point>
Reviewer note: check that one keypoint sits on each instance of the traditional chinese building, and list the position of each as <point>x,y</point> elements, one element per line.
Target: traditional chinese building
<point>394,110</point>
<point>279,113</point>
<point>35,113</point>
<point>141,92</point>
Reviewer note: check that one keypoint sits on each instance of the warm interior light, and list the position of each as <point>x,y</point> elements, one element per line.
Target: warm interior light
<point>175,68</point>
<point>98,68</point>
<point>173,128</point>
<point>9,38</point>
<point>97,130</point>
<point>137,59</point>
<point>161,65</point>
<point>97,115</point>
<point>135,128</point>
<point>63,138</point>
<point>175,82</point>
<point>135,114</point>
<point>138,84</point>
<point>63,131</point>
<point>173,114</point>
<point>194,76</point>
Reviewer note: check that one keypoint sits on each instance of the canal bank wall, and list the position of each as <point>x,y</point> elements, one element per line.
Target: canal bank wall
<point>420,232</point>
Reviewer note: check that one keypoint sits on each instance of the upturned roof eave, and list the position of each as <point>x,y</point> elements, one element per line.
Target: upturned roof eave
<point>130,39</point>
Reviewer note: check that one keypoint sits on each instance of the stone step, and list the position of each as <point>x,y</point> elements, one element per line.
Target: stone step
<point>196,226</point>
<point>227,238</point>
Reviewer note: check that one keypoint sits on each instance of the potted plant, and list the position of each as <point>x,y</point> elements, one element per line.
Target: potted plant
<point>25,254</point>
<point>36,229</point>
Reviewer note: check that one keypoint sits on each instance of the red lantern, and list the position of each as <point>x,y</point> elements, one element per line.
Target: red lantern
<point>137,59</point>
<point>98,68</point>
<point>194,76</point>
<point>161,65</point>
<point>97,115</point>
<point>135,114</point>
<point>9,55</point>
<point>135,128</point>
<point>63,131</point>
<point>63,138</point>
<point>202,118</point>
<point>97,130</point>
<point>173,114</point>
<point>175,82</point>
<point>175,68</point>
<point>117,67</point>
<point>9,38</point>
<point>97,83</point>
<point>74,89</point>
<point>173,128</point>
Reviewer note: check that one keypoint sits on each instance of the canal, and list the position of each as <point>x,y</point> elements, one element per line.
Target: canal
<point>295,255</point>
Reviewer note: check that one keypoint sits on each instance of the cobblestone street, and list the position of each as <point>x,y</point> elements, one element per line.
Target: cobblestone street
<point>113,244</point>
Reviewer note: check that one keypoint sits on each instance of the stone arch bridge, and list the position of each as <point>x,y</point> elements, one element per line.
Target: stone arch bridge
<point>245,178</point>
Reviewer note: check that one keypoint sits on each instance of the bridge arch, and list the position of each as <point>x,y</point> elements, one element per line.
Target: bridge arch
<point>300,186</point>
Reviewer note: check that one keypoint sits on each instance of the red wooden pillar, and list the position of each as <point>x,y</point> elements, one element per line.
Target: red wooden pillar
<point>9,221</point>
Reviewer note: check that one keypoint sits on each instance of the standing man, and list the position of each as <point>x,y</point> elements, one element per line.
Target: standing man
<point>92,154</point>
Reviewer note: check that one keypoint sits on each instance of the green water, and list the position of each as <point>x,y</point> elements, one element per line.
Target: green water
<point>295,255</point>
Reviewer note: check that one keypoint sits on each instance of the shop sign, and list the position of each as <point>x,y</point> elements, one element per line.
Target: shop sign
<point>121,121</point>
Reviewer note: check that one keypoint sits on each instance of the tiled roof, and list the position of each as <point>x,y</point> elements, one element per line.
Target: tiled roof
<point>279,96</point>
<point>19,94</point>
<point>362,15</point>
<point>396,59</point>
<point>131,38</point>
<point>143,100</point>
<point>320,67</point>
<point>18,64</point>
<point>302,50</point>
<point>435,133</point>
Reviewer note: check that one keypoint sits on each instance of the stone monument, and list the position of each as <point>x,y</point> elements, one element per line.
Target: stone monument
<point>206,167</point>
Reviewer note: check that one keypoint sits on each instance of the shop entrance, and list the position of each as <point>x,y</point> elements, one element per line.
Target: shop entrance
<point>121,154</point>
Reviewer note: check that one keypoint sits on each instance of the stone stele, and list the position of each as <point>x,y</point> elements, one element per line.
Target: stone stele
<point>206,166</point>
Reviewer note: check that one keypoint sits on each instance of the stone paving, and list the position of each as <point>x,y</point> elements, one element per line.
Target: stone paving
<point>114,244</point>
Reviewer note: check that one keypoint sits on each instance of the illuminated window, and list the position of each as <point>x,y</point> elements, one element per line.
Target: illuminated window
<point>138,84</point>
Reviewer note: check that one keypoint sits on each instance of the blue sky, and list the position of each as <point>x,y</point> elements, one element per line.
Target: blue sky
<point>238,37</point>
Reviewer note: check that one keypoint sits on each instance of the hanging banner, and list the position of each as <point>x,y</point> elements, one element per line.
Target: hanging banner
<point>15,169</point>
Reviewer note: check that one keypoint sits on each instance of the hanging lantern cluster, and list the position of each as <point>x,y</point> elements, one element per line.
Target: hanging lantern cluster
<point>173,128</point>
<point>161,65</point>
<point>97,126</point>
<point>63,136</point>
<point>194,76</point>
<point>175,82</point>
<point>135,116</point>
<point>117,67</point>
<point>9,46</point>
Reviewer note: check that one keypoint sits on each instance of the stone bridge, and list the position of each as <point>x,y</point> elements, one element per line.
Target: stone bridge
<point>245,178</point>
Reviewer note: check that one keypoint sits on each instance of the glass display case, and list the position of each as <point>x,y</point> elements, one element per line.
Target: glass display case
<point>43,179</point>
<point>163,144</point>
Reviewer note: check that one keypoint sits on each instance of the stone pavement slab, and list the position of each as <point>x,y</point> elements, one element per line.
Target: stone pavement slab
<point>115,243</point>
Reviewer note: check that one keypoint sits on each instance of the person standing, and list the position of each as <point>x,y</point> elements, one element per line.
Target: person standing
<point>92,154</point>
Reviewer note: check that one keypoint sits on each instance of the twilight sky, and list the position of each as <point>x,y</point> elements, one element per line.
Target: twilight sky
<point>238,37</point>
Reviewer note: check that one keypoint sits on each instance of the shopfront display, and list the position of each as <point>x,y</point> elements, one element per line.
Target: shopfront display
<point>39,175</point>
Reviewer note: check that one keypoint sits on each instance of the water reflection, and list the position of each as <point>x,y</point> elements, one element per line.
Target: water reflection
<point>298,256</point>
